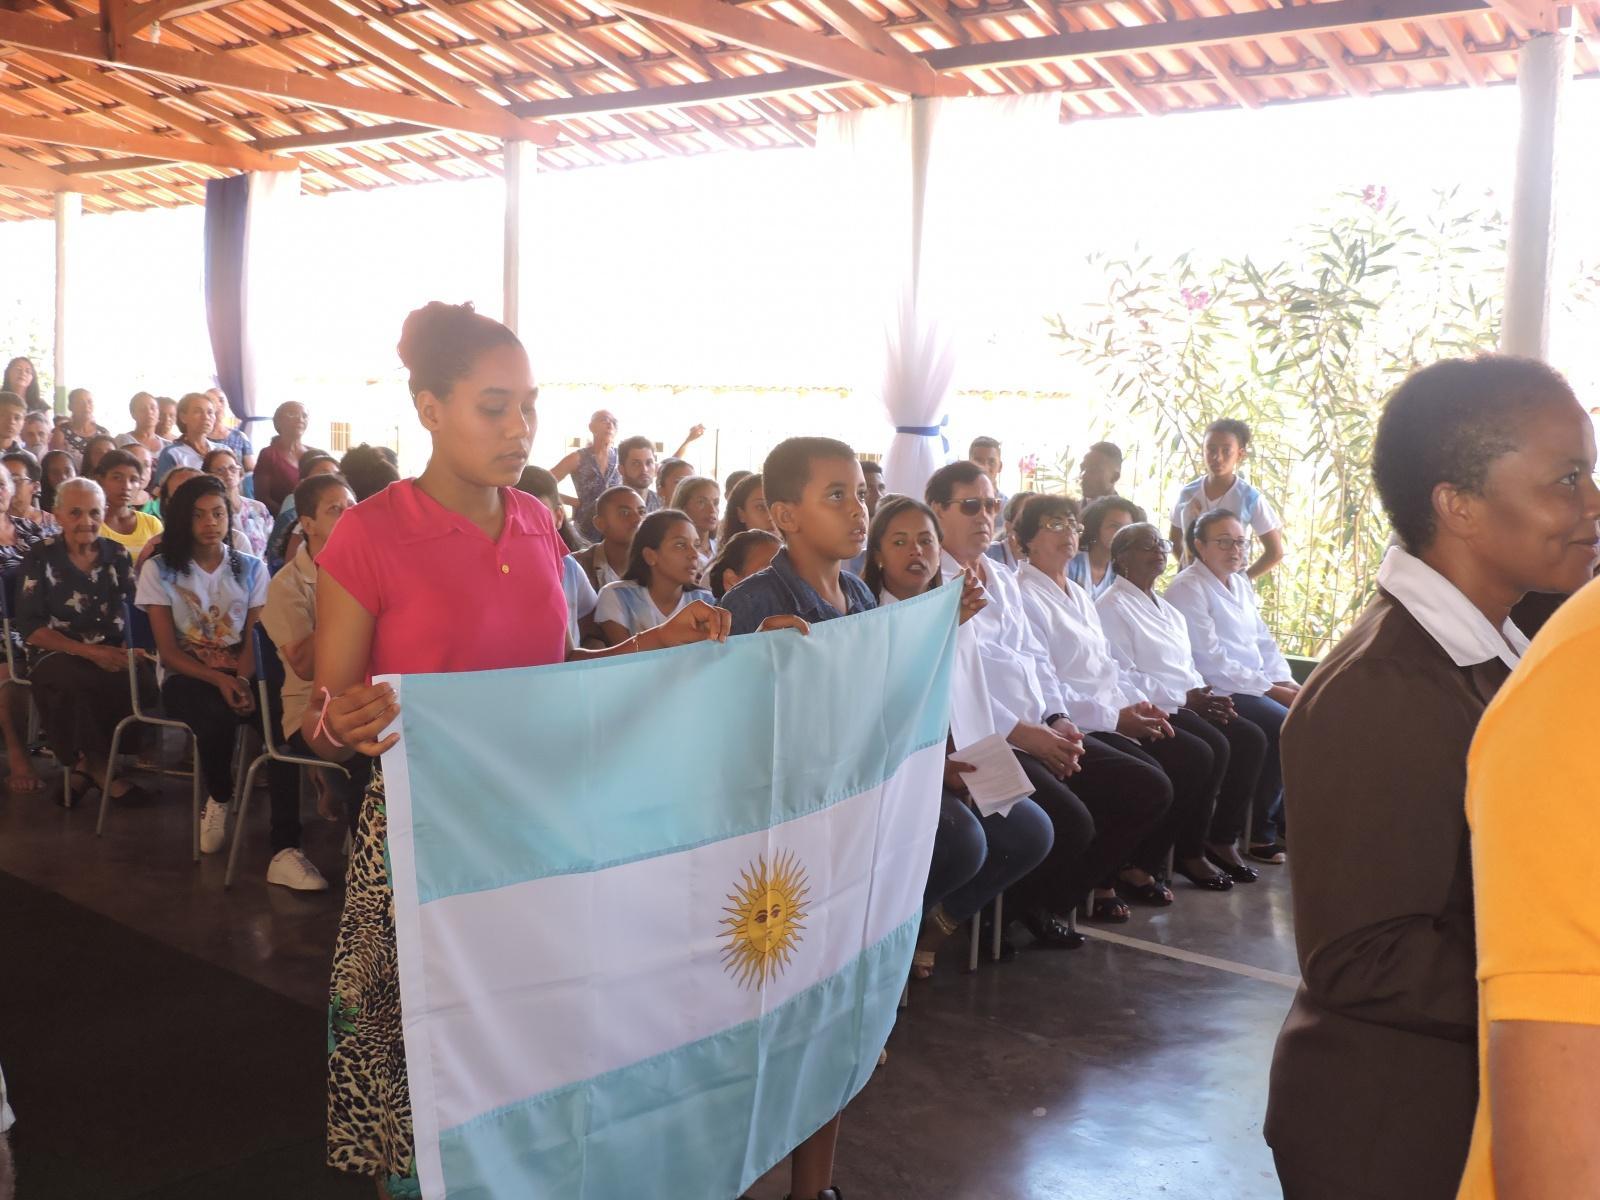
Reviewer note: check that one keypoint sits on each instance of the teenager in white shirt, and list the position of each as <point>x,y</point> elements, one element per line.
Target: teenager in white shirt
<point>1226,445</point>
<point>1105,703</point>
<point>1151,641</point>
<point>1237,655</point>
<point>661,578</point>
<point>1114,800</point>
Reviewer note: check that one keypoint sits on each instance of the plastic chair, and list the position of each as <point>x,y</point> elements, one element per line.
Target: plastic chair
<point>269,669</point>
<point>8,585</point>
<point>142,637</point>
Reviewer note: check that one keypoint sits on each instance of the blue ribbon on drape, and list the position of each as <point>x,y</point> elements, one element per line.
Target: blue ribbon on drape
<point>227,218</point>
<point>928,431</point>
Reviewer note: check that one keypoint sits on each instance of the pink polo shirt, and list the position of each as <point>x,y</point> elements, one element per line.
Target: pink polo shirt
<point>446,598</point>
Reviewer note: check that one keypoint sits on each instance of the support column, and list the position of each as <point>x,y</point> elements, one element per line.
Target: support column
<point>520,159</point>
<point>69,207</point>
<point>1544,67</point>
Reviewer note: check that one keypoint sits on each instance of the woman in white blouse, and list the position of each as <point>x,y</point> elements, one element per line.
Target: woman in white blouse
<point>1150,639</point>
<point>1236,654</point>
<point>1105,703</point>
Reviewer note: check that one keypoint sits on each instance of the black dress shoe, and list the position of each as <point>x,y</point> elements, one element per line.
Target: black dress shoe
<point>1239,874</point>
<point>1050,932</point>
<point>1211,883</point>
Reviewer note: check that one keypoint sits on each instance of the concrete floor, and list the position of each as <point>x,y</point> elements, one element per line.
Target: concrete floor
<point>1133,1067</point>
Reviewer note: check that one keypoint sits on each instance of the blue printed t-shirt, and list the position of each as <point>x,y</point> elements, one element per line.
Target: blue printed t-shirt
<point>778,589</point>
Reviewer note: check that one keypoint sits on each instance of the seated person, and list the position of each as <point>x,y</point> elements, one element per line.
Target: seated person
<point>142,498</point>
<point>97,448</point>
<point>175,479</point>
<point>581,595</point>
<point>1115,800</point>
<point>1099,471</point>
<point>36,430</point>
<point>617,515</point>
<point>877,486</point>
<point>741,556</point>
<point>250,516</point>
<point>747,508</point>
<point>669,475</point>
<point>1004,549</point>
<point>26,474</point>
<point>1105,702</point>
<point>118,475</point>
<point>636,462</point>
<point>700,499</point>
<point>312,462</point>
<point>902,554</point>
<point>985,451</point>
<point>204,599</point>
<point>1237,656</point>
<point>13,411</point>
<point>146,411</point>
<point>192,444</point>
<point>70,612</point>
<point>1227,444</point>
<point>1151,642</point>
<point>1090,568</point>
<point>290,619</point>
<point>661,578</point>
<point>18,536</point>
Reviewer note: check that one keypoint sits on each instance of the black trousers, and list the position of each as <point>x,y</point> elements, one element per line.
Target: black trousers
<point>283,786</point>
<point>1246,749</point>
<point>1189,763</point>
<point>1100,816</point>
<point>201,707</point>
<point>80,704</point>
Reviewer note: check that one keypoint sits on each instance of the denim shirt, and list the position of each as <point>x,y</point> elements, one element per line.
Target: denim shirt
<point>779,589</point>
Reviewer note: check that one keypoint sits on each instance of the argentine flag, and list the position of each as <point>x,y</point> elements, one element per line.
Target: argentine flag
<point>655,912</point>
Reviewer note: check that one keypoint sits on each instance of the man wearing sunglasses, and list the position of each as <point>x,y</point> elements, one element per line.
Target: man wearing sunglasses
<point>1114,799</point>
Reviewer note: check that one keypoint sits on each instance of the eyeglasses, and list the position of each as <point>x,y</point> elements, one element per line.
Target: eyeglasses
<point>974,505</point>
<point>1229,544</point>
<point>1061,525</point>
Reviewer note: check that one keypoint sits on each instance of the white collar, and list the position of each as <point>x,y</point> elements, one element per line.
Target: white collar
<point>1450,618</point>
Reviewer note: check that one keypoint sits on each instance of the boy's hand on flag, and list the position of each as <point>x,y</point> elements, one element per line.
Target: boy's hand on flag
<point>697,622</point>
<point>784,621</point>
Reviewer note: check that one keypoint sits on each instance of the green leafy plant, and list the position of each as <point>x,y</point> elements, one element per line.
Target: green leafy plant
<point>1305,349</point>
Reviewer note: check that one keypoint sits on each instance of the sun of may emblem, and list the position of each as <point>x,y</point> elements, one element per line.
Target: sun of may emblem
<point>766,920</point>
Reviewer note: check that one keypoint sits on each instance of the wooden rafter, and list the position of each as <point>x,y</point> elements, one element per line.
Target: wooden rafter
<point>65,132</point>
<point>19,171</point>
<point>789,42</point>
<point>1222,70</point>
<point>143,16</point>
<point>1332,51</point>
<point>1448,38</point>
<point>467,21</point>
<point>232,74</point>
<point>1129,88</point>
<point>868,35</point>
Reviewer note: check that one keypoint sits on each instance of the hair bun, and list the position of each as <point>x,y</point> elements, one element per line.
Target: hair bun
<point>430,326</point>
<point>439,343</point>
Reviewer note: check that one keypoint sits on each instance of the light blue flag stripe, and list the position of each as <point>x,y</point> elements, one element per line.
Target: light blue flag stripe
<point>673,1125</point>
<point>704,760</point>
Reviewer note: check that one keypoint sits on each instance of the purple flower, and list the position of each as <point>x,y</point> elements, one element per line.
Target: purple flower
<point>1375,197</point>
<point>1195,299</point>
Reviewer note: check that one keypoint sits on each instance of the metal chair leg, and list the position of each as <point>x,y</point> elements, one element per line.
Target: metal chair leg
<point>238,818</point>
<point>972,942</point>
<point>999,925</point>
<point>111,773</point>
<point>195,799</point>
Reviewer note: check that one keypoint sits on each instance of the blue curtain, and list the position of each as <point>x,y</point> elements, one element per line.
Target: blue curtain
<point>227,217</point>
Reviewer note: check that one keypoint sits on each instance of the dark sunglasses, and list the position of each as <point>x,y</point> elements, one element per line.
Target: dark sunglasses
<point>974,505</point>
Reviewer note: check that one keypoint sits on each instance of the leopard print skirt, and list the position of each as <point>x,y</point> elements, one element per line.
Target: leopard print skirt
<point>369,1100</point>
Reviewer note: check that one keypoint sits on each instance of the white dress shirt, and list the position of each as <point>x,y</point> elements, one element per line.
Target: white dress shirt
<point>1151,641</point>
<point>1452,620</point>
<point>1022,680</point>
<point>1232,645</point>
<point>1096,686</point>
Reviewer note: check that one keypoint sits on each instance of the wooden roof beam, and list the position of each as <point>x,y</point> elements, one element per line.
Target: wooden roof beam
<point>216,70</point>
<point>143,16</point>
<point>779,38</point>
<point>19,171</point>
<point>1126,86</point>
<point>65,132</point>
<point>464,19</point>
<point>1332,51</point>
<point>868,35</point>
<point>1221,66</point>
<point>1448,38</point>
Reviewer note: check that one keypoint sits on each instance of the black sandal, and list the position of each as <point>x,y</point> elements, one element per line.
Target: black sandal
<point>1154,892</point>
<point>1219,882</point>
<point>1238,872</point>
<point>1050,932</point>
<point>1110,910</point>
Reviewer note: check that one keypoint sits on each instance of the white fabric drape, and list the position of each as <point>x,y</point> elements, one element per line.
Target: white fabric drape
<point>924,184</point>
<point>269,353</point>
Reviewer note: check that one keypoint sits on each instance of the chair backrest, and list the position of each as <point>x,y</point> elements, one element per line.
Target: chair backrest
<point>140,635</point>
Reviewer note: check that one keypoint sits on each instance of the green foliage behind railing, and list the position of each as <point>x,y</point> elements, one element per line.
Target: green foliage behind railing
<point>1305,349</point>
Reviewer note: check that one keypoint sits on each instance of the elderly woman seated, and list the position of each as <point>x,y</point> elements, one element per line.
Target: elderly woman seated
<point>70,607</point>
<point>1237,655</point>
<point>1105,702</point>
<point>1151,642</point>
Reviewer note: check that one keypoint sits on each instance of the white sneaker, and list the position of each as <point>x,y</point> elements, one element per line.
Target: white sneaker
<point>213,826</point>
<point>292,869</point>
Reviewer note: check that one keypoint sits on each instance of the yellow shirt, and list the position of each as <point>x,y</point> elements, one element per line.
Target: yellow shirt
<point>1533,801</point>
<point>145,527</point>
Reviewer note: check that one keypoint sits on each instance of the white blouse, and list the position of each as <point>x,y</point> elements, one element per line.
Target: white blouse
<point>1151,640</point>
<point>1232,645</point>
<point>1097,688</point>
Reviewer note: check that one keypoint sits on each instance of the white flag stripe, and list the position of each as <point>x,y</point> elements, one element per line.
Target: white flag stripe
<point>622,964</point>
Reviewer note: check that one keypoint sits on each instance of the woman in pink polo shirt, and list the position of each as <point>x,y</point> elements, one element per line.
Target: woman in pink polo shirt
<point>455,570</point>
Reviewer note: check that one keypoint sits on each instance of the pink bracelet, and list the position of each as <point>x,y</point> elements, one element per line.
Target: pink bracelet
<point>322,730</point>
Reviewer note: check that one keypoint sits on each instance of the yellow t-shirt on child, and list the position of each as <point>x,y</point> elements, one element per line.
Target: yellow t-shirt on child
<point>1533,801</point>
<point>145,527</point>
